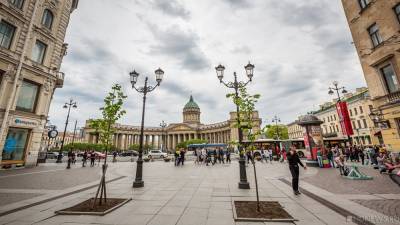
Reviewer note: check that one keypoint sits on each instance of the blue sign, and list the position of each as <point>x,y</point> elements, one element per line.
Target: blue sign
<point>10,145</point>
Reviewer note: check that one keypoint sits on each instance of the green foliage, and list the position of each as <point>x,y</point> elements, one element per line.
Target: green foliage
<point>272,131</point>
<point>185,144</point>
<point>111,112</point>
<point>246,103</point>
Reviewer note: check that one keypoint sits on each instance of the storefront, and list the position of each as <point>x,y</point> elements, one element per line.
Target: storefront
<point>15,147</point>
<point>22,142</point>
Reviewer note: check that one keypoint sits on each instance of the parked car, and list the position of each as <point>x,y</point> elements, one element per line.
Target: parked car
<point>129,153</point>
<point>157,154</point>
<point>51,155</point>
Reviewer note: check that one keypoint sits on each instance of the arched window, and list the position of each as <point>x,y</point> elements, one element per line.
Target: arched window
<point>47,19</point>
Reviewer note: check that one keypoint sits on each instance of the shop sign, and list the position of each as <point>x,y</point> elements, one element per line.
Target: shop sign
<point>25,122</point>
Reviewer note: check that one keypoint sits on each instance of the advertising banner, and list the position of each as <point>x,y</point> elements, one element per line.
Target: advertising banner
<point>344,118</point>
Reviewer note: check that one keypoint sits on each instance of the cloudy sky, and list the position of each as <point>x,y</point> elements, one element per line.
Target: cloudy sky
<point>298,48</point>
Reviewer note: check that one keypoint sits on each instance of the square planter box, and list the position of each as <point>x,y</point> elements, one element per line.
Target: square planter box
<point>269,212</point>
<point>85,207</point>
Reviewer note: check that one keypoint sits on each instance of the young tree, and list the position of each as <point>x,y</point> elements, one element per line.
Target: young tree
<point>246,103</point>
<point>272,131</point>
<point>111,112</point>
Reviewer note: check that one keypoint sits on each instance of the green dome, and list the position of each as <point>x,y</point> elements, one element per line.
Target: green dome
<point>191,104</point>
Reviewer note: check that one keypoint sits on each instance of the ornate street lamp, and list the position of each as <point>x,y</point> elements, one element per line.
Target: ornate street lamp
<point>276,120</point>
<point>243,183</point>
<point>163,125</point>
<point>337,89</point>
<point>68,106</point>
<point>145,89</point>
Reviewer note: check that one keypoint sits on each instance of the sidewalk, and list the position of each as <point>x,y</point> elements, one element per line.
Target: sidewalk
<point>184,196</point>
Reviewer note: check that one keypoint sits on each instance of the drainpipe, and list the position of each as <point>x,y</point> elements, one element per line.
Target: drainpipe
<point>13,95</point>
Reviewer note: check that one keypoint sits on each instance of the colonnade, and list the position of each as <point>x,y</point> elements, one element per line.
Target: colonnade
<point>168,139</point>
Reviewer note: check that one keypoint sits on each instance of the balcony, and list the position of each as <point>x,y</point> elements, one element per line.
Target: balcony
<point>393,97</point>
<point>60,79</point>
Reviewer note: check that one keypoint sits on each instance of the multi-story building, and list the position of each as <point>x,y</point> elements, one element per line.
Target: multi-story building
<point>175,133</point>
<point>359,106</point>
<point>31,51</point>
<point>375,25</point>
<point>295,131</point>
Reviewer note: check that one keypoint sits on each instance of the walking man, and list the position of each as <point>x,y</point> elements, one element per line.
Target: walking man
<point>84,158</point>
<point>92,158</point>
<point>294,162</point>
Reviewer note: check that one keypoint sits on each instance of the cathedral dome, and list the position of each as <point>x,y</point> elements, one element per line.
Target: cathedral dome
<point>191,104</point>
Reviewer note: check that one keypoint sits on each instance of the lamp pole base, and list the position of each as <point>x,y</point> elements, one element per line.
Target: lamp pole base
<point>138,184</point>
<point>243,183</point>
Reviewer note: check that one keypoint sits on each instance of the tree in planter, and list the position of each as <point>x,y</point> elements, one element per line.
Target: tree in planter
<point>246,103</point>
<point>111,112</point>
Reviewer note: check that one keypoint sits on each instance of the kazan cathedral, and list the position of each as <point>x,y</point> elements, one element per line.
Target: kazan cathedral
<point>174,133</point>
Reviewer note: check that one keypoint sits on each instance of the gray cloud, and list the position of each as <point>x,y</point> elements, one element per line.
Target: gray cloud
<point>180,44</point>
<point>172,8</point>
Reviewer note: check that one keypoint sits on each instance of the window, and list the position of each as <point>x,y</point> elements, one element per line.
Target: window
<point>365,123</point>
<point>390,78</point>
<point>359,124</point>
<point>361,109</point>
<point>374,34</point>
<point>355,111</point>
<point>15,145</point>
<point>397,11</point>
<point>17,3</point>
<point>6,34</point>
<point>39,51</point>
<point>351,112</point>
<point>337,128</point>
<point>47,19</point>
<point>354,124</point>
<point>363,3</point>
<point>334,116</point>
<point>27,96</point>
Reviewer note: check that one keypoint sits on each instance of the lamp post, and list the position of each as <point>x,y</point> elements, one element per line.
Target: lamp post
<point>162,125</point>
<point>276,120</point>
<point>145,89</point>
<point>336,89</point>
<point>243,183</point>
<point>68,106</point>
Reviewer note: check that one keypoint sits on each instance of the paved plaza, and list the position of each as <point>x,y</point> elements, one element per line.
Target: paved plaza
<point>191,195</point>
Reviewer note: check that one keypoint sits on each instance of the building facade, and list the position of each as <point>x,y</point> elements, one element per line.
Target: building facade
<point>174,133</point>
<point>295,131</point>
<point>32,47</point>
<point>374,25</point>
<point>359,106</point>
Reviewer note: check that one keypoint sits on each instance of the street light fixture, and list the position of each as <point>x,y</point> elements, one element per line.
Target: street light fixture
<point>145,89</point>
<point>337,89</point>
<point>236,85</point>
<point>68,106</point>
<point>163,125</point>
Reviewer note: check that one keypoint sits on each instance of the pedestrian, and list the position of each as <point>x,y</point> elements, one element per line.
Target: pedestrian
<point>294,162</point>
<point>270,154</point>
<point>208,159</point>
<point>177,155</point>
<point>215,156</point>
<point>69,160</point>
<point>114,156</point>
<point>221,155</point>
<point>84,158</point>
<point>182,156</point>
<point>228,156</point>
<point>340,162</point>
<point>73,158</point>
<point>361,156</point>
<point>329,155</point>
<point>248,156</point>
<point>92,158</point>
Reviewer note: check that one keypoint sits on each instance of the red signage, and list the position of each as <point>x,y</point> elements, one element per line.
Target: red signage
<point>344,118</point>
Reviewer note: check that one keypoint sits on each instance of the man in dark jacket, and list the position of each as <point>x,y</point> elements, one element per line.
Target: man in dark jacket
<point>294,162</point>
